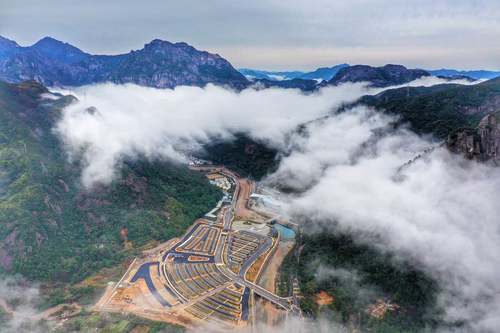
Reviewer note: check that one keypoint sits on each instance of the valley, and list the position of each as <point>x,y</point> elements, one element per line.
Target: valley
<point>274,167</point>
<point>213,272</point>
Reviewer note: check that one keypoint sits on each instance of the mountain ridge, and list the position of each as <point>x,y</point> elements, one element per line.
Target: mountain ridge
<point>440,109</point>
<point>159,64</point>
<point>319,74</point>
<point>383,76</point>
<point>475,74</point>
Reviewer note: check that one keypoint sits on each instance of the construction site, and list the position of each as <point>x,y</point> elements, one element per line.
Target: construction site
<point>223,265</point>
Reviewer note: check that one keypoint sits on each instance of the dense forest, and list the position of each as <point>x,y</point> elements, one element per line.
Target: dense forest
<point>356,276</point>
<point>53,229</point>
<point>439,110</point>
<point>243,155</point>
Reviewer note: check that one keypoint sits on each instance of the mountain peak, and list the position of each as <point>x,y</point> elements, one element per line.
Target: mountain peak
<point>59,51</point>
<point>49,40</point>
<point>395,67</point>
<point>7,45</point>
<point>164,44</point>
<point>4,40</point>
<point>159,64</point>
<point>158,43</point>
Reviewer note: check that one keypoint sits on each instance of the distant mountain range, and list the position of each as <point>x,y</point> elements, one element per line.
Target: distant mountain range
<point>302,84</point>
<point>320,74</point>
<point>252,74</point>
<point>324,73</point>
<point>385,76</point>
<point>478,75</point>
<point>378,76</point>
<point>327,73</point>
<point>163,64</point>
<point>159,64</point>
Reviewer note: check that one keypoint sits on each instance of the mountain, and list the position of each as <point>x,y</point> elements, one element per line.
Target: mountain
<point>253,74</point>
<point>323,73</point>
<point>404,283</point>
<point>51,48</point>
<point>52,229</point>
<point>7,47</point>
<point>304,85</point>
<point>481,143</point>
<point>320,74</point>
<point>441,109</point>
<point>385,76</point>
<point>159,64</point>
<point>478,74</point>
<point>457,77</point>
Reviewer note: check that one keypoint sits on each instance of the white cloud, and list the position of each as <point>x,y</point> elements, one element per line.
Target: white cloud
<point>440,212</point>
<point>111,122</point>
<point>20,317</point>
<point>131,120</point>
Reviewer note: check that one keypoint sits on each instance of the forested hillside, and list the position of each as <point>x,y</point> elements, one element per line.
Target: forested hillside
<point>441,109</point>
<point>354,277</point>
<point>53,229</point>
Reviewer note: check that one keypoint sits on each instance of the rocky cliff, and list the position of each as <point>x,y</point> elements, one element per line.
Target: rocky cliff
<point>159,64</point>
<point>481,144</point>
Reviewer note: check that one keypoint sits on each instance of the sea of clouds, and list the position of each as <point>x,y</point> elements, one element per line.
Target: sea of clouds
<point>439,212</point>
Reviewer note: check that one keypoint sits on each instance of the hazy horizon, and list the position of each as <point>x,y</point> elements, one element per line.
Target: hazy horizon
<point>259,68</point>
<point>272,35</point>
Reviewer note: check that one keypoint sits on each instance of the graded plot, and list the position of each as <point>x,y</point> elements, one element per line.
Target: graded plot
<point>241,247</point>
<point>201,240</point>
<point>193,279</point>
<point>149,272</point>
<point>224,306</point>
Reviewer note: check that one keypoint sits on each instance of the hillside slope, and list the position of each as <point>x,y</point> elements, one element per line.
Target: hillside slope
<point>159,64</point>
<point>440,109</point>
<point>52,229</point>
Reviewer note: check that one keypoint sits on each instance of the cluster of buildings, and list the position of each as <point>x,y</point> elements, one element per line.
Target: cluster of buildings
<point>220,181</point>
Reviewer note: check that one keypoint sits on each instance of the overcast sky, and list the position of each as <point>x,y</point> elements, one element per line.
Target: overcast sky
<point>274,34</point>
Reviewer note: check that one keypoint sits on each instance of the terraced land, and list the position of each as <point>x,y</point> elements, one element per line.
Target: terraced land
<point>200,277</point>
<point>202,241</point>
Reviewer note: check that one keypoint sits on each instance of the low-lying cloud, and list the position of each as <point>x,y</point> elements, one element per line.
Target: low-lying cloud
<point>18,300</point>
<point>112,122</point>
<point>439,212</point>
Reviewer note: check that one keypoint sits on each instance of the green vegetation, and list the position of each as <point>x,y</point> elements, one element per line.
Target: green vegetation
<point>243,155</point>
<point>441,109</point>
<point>356,276</point>
<point>113,323</point>
<point>52,229</point>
